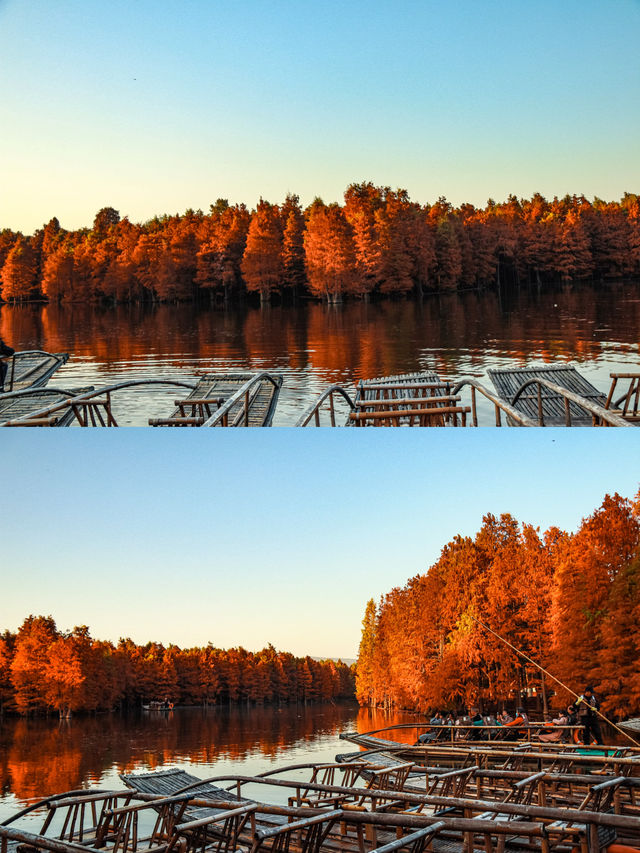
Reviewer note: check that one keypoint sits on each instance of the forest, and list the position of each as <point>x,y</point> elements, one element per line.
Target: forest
<point>378,242</point>
<point>43,669</point>
<point>569,601</point>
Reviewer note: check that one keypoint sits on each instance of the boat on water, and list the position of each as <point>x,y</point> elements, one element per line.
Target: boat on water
<point>158,706</point>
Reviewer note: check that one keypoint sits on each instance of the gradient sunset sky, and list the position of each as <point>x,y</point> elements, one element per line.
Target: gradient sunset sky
<point>245,537</point>
<point>156,107</point>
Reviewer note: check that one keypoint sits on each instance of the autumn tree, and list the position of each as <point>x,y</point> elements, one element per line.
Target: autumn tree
<point>29,667</point>
<point>262,266</point>
<point>293,273</point>
<point>20,272</point>
<point>362,205</point>
<point>329,252</point>
<point>7,647</point>
<point>364,676</point>
<point>222,240</point>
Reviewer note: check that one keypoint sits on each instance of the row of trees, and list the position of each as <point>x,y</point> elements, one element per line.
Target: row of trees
<point>378,241</point>
<point>569,601</point>
<point>44,669</point>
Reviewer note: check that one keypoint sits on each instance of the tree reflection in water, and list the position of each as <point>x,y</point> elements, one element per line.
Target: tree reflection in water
<point>45,756</point>
<point>315,345</point>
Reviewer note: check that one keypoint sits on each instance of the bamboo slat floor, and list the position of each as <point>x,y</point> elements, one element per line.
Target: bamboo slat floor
<point>18,404</point>
<point>167,783</point>
<point>32,369</point>
<point>408,399</point>
<point>213,390</point>
<point>508,382</point>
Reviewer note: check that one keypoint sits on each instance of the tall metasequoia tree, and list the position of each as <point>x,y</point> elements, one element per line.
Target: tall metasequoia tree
<point>362,204</point>
<point>64,674</point>
<point>222,237</point>
<point>329,252</point>
<point>364,675</point>
<point>262,267</point>
<point>587,566</point>
<point>7,647</point>
<point>293,273</point>
<point>20,272</point>
<point>30,662</point>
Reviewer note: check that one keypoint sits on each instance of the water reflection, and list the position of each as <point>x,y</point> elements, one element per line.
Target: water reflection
<point>44,756</point>
<point>315,345</point>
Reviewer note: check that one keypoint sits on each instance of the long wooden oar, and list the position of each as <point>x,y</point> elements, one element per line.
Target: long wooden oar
<point>552,677</point>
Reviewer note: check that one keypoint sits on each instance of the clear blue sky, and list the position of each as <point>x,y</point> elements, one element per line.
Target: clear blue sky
<point>248,537</point>
<point>155,106</point>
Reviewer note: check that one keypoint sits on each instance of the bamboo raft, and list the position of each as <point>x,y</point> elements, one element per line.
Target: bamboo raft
<point>17,407</point>
<point>32,369</point>
<point>407,399</point>
<point>357,807</point>
<point>557,395</point>
<point>231,399</point>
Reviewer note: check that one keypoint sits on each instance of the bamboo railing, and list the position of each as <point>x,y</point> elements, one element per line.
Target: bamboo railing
<point>329,395</point>
<point>246,395</point>
<point>600,415</point>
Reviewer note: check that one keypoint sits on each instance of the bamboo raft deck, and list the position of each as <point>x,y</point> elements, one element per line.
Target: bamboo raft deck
<point>17,405</point>
<point>407,399</point>
<point>554,406</point>
<point>340,810</point>
<point>230,399</point>
<point>32,369</point>
<point>167,783</point>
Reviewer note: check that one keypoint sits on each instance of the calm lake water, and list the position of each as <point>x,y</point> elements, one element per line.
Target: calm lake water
<point>45,756</point>
<point>314,345</point>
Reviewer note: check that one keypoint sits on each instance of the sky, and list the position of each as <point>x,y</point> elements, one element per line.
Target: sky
<point>243,537</point>
<point>158,106</point>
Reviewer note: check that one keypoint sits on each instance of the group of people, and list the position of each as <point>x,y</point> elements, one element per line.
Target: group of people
<point>583,712</point>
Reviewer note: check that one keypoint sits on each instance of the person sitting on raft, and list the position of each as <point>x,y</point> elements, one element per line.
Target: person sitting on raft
<point>520,719</point>
<point>550,736</point>
<point>429,737</point>
<point>477,720</point>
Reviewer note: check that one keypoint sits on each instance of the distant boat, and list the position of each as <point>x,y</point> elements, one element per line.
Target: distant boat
<point>158,706</point>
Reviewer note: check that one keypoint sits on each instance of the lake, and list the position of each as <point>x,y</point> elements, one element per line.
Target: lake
<point>44,756</point>
<point>314,345</point>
